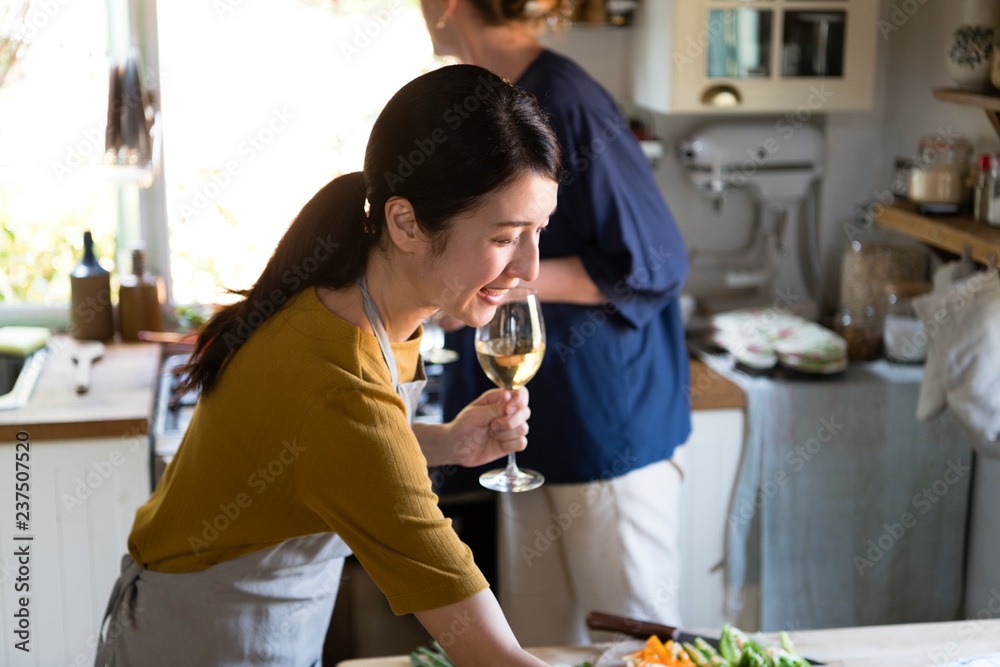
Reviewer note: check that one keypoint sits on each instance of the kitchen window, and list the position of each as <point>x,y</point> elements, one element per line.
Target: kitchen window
<point>261,104</point>
<point>53,109</point>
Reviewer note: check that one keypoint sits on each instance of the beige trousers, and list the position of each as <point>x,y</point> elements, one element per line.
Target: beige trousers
<point>568,549</point>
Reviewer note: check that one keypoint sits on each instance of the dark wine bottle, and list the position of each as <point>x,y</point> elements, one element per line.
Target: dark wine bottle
<point>91,313</point>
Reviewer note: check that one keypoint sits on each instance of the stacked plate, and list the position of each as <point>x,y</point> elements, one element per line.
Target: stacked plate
<point>762,338</point>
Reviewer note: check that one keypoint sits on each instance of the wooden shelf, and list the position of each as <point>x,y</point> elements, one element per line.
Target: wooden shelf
<point>952,233</point>
<point>988,102</point>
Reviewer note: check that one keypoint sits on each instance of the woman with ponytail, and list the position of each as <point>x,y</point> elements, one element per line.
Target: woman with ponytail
<point>301,450</point>
<point>611,402</point>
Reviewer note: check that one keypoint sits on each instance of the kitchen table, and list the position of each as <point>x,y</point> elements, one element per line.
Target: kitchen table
<point>910,645</point>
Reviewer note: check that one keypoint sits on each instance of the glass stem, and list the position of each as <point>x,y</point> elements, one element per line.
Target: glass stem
<point>512,469</point>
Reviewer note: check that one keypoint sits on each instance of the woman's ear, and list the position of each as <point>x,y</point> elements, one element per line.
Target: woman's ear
<point>402,224</point>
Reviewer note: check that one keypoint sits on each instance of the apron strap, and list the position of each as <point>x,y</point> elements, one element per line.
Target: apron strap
<point>119,611</point>
<point>375,319</point>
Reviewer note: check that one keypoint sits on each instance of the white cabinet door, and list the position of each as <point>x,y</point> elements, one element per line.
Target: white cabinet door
<point>731,56</point>
<point>84,495</point>
<point>710,461</point>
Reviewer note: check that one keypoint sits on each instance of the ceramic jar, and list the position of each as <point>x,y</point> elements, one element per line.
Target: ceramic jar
<point>971,52</point>
<point>970,57</point>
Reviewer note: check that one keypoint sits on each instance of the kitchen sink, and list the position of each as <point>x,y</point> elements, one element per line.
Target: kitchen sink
<point>18,376</point>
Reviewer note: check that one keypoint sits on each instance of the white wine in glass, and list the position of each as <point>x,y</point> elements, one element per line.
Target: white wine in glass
<point>510,349</point>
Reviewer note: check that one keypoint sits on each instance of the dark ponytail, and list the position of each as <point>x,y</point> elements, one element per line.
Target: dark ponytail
<point>444,142</point>
<point>326,244</point>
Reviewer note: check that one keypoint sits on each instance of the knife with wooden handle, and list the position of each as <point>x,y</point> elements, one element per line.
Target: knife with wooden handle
<point>644,629</point>
<point>632,627</point>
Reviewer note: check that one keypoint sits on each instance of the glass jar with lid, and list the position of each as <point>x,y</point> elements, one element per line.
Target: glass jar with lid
<point>940,172</point>
<point>874,258</point>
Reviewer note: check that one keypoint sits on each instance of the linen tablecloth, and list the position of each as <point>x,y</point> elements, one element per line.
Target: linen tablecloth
<point>847,511</point>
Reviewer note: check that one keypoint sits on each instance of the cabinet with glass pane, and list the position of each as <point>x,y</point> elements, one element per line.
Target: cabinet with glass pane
<point>732,56</point>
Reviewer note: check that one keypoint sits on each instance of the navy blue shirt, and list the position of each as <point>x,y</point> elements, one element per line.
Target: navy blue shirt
<point>612,392</point>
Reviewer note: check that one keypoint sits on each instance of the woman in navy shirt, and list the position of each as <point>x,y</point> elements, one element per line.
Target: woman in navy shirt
<point>610,403</point>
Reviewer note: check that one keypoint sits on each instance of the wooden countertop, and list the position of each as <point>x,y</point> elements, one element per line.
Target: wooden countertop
<point>911,645</point>
<point>711,391</point>
<point>120,401</point>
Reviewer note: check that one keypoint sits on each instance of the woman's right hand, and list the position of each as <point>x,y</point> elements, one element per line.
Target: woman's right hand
<point>489,428</point>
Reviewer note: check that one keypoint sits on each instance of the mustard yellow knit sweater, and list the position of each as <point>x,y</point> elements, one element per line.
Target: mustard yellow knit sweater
<point>304,434</point>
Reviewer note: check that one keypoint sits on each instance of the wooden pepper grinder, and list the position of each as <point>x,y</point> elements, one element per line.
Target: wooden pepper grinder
<point>140,300</point>
<point>91,315</point>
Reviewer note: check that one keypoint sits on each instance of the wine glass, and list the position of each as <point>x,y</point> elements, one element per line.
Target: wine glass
<point>510,349</point>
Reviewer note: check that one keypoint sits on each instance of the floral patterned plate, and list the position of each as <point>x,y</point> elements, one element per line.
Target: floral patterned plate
<point>762,338</point>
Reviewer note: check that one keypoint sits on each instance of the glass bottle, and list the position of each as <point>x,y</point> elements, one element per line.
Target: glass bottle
<point>91,313</point>
<point>985,187</point>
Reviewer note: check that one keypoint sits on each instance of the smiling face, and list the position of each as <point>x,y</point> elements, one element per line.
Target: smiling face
<point>491,250</point>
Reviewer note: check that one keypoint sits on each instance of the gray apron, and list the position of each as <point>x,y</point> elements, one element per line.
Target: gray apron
<point>270,607</point>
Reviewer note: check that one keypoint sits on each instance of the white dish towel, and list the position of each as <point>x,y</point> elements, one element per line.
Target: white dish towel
<point>962,323</point>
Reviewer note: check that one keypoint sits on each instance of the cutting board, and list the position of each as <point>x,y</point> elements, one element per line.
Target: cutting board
<point>910,645</point>
<point>120,400</point>
<point>573,655</point>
